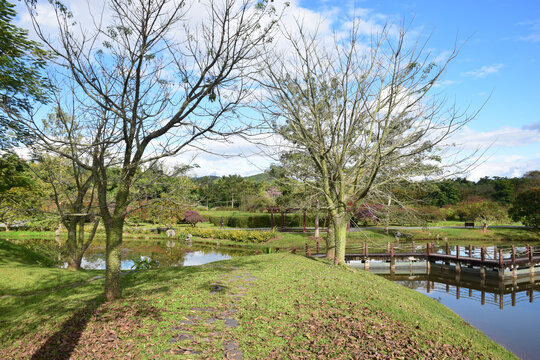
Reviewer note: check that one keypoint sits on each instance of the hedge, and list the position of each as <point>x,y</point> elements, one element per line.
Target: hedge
<point>263,220</point>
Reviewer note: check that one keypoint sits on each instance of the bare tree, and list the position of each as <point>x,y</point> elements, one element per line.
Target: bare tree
<point>154,78</point>
<point>362,109</point>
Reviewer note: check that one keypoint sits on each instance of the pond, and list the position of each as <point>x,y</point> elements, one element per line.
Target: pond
<point>507,311</point>
<point>164,252</point>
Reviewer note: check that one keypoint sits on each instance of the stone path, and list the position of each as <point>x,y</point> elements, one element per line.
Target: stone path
<point>233,288</point>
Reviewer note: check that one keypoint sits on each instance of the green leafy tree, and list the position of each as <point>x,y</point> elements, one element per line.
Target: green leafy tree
<point>21,80</point>
<point>526,208</point>
<point>486,212</point>
<point>19,193</point>
<point>446,194</point>
<point>503,190</point>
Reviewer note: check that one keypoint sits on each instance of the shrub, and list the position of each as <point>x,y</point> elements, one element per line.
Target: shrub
<point>263,220</point>
<point>192,217</point>
<point>243,236</point>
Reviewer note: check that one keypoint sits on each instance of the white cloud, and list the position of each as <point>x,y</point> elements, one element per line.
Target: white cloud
<point>505,165</point>
<point>483,71</point>
<point>533,31</point>
<point>237,155</point>
<point>503,137</point>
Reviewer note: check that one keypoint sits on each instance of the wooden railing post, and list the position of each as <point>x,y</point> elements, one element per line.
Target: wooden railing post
<point>317,246</point>
<point>495,253</point>
<point>482,254</point>
<point>367,249</point>
<point>457,251</point>
<point>500,257</point>
<point>470,250</point>
<point>530,250</point>
<point>427,249</point>
<point>447,248</point>
<point>513,255</point>
<point>392,250</point>
<point>308,250</point>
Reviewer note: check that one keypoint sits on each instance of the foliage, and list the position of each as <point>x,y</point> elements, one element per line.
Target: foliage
<point>504,190</point>
<point>526,207</point>
<point>243,236</point>
<point>485,211</point>
<point>254,220</point>
<point>20,194</point>
<point>231,191</point>
<point>446,194</point>
<point>371,213</point>
<point>192,217</point>
<point>21,80</point>
<point>144,264</point>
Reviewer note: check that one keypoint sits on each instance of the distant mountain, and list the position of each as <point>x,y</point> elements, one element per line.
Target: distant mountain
<point>262,177</point>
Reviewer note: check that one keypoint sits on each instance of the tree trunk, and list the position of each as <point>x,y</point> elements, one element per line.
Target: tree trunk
<point>330,239</point>
<point>485,227</point>
<point>316,225</point>
<point>113,258</point>
<point>340,229</point>
<point>71,243</point>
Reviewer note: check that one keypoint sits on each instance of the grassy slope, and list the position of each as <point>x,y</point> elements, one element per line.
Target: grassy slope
<point>284,304</point>
<point>22,272</point>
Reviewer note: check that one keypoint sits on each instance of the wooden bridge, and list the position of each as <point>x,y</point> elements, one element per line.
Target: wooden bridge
<point>486,261</point>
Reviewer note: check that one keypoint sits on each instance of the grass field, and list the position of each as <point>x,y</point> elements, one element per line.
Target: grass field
<point>264,307</point>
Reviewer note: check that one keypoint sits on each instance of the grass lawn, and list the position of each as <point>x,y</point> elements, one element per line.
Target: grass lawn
<point>266,307</point>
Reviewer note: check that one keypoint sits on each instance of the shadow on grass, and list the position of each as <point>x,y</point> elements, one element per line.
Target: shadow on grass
<point>61,344</point>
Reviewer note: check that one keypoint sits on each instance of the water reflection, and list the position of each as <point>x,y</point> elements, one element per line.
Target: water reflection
<point>166,252</point>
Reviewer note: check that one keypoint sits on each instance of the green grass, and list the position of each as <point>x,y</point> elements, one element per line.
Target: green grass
<point>22,272</point>
<point>284,305</point>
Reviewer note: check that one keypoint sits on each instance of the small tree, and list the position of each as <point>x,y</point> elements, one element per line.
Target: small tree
<point>526,208</point>
<point>192,217</point>
<point>486,212</point>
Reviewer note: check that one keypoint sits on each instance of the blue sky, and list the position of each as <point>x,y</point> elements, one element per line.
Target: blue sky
<point>497,69</point>
<point>498,63</point>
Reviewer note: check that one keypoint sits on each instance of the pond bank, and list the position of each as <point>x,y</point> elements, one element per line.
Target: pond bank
<point>265,306</point>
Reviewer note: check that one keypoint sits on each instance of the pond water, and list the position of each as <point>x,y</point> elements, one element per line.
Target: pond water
<point>165,253</point>
<point>507,311</point>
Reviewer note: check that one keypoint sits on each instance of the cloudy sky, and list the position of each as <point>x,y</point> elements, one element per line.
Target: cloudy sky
<point>498,68</point>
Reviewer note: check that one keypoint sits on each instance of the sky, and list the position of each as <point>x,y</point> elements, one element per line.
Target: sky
<point>497,71</point>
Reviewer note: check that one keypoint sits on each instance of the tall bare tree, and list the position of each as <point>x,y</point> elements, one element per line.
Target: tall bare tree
<point>362,108</point>
<point>155,76</point>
